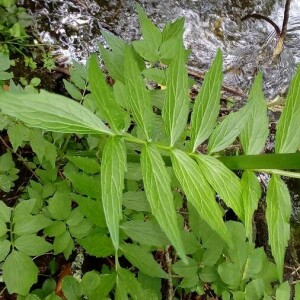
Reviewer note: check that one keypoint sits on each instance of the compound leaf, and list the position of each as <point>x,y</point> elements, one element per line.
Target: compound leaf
<point>207,104</point>
<point>159,194</point>
<point>103,95</point>
<point>251,192</point>
<point>255,131</point>
<point>278,215</point>
<point>198,191</point>
<point>113,168</point>
<point>227,131</point>
<point>176,106</point>
<point>138,95</point>
<point>52,112</point>
<point>288,133</point>
<point>15,264</point>
<point>223,181</point>
<point>143,260</point>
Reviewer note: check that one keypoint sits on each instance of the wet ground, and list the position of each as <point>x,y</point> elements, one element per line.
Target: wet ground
<point>247,46</point>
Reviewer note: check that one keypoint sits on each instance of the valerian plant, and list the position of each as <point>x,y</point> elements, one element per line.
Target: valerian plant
<point>142,164</point>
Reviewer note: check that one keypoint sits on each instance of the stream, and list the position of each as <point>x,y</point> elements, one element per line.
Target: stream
<point>75,25</point>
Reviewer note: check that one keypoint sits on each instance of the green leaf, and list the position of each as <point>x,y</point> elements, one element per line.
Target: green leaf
<point>103,94</point>
<point>278,215</point>
<point>133,286</point>
<point>59,206</point>
<point>55,228</point>
<point>138,95</point>
<point>52,112</point>
<point>15,264</point>
<point>255,131</point>
<point>297,291</point>
<point>152,38</point>
<point>29,224</point>
<point>115,43</point>
<point>255,290</point>
<point>223,181</point>
<point>73,91</point>
<point>4,249</point>
<point>146,233</point>
<point>17,134</point>
<point>156,75</point>
<point>85,184</point>
<point>254,263</point>
<point>32,245</point>
<point>288,133</point>
<point>176,106</point>
<point>97,286</point>
<point>6,162</point>
<point>114,63</point>
<point>283,292</point>
<point>207,104</point>
<point>158,190</point>
<point>251,193</point>
<point>173,30</point>
<point>136,201</point>
<point>113,168</point>
<point>71,288</point>
<point>62,242</point>
<point>199,192</point>
<point>97,245</point>
<point>6,75</point>
<point>4,62</point>
<point>92,209</point>
<point>186,270</point>
<point>143,260</point>
<point>227,131</point>
<point>88,165</point>
<point>5,211</point>
<point>230,274</point>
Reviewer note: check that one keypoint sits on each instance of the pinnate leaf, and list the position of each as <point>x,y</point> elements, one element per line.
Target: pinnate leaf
<point>255,131</point>
<point>103,95</point>
<point>143,260</point>
<point>138,95</point>
<point>228,130</point>
<point>113,168</point>
<point>198,191</point>
<point>223,181</point>
<point>251,192</point>
<point>278,215</point>
<point>288,133</point>
<point>32,245</point>
<point>176,106</point>
<point>207,104</point>
<point>158,190</point>
<point>15,265</point>
<point>52,112</point>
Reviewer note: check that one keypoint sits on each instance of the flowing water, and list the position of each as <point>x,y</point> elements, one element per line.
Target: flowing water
<point>247,46</point>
